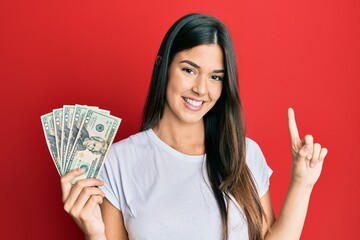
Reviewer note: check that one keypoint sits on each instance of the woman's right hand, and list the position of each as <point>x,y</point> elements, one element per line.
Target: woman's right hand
<point>82,201</point>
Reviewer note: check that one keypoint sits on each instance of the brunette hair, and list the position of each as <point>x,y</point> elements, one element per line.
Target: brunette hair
<point>224,125</point>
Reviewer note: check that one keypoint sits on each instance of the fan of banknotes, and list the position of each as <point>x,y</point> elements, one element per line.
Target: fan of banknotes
<point>79,136</point>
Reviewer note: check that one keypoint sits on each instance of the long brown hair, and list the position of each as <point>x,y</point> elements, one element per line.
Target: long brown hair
<point>224,124</point>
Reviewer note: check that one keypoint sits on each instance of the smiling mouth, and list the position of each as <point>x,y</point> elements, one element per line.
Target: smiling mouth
<point>192,102</point>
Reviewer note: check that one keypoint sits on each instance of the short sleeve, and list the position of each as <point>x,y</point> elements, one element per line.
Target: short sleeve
<point>257,164</point>
<point>110,174</point>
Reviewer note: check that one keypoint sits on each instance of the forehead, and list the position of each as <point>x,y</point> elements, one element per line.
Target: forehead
<point>207,55</point>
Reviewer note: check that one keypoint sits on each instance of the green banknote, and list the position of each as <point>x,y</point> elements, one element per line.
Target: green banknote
<point>78,118</point>
<point>79,136</point>
<point>92,143</point>
<point>57,115</point>
<point>67,120</point>
<point>47,121</point>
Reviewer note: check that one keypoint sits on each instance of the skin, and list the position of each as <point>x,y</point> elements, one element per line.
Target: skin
<point>307,162</point>
<point>196,74</point>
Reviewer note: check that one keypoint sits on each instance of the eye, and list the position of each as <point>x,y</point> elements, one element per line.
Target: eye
<point>188,70</point>
<point>217,78</point>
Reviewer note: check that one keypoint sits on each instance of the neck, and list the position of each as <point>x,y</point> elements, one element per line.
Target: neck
<point>187,138</point>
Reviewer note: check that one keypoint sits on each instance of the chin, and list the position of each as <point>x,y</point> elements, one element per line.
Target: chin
<point>192,120</point>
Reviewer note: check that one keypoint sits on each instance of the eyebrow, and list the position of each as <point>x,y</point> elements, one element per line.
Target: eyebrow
<point>198,67</point>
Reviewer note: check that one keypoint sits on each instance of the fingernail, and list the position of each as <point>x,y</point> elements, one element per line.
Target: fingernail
<point>312,165</point>
<point>82,170</point>
<point>309,156</point>
<point>307,147</point>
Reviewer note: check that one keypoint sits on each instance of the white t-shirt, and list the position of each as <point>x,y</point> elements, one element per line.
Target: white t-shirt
<point>164,194</point>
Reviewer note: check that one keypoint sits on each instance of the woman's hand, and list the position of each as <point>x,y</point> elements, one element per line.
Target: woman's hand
<point>81,201</point>
<point>308,157</point>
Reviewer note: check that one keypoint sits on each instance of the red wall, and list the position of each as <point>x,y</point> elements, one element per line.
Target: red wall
<point>303,54</point>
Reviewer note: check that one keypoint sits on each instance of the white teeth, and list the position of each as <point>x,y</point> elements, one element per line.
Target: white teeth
<point>193,102</point>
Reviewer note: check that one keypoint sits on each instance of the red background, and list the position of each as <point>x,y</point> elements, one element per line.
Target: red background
<point>304,54</point>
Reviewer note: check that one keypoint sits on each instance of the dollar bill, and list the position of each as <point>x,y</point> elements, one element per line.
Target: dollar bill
<point>106,112</point>
<point>79,113</point>
<point>92,143</point>
<point>47,121</point>
<point>68,113</point>
<point>79,136</point>
<point>57,115</point>
<point>78,117</point>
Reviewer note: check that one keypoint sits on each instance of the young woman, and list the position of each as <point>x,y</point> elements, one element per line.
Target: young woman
<point>191,173</point>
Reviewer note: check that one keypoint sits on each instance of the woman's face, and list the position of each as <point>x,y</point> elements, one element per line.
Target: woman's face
<point>195,83</point>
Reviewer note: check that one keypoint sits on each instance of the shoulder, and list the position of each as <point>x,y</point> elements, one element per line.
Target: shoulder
<point>254,154</point>
<point>120,163</point>
<point>133,140</point>
<point>258,166</point>
<point>251,145</point>
<point>136,141</point>
<point>128,148</point>
<point>253,151</point>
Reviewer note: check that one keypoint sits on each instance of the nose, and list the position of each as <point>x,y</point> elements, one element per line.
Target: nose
<point>200,86</point>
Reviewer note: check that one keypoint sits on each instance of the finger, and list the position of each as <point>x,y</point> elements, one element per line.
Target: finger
<point>294,133</point>
<point>309,142</point>
<point>93,202</point>
<point>76,190</point>
<point>315,155</point>
<point>304,152</point>
<point>66,181</point>
<point>323,154</point>
<point>84,196</point>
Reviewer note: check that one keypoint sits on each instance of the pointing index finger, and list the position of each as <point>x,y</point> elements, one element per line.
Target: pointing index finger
<point>294,133</point>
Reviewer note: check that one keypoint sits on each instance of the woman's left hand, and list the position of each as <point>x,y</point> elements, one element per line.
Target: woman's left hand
<point>308,157</point>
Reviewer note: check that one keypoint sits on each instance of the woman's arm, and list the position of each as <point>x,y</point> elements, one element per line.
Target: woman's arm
<point>113,220</point>
<point>291,219</point>
<point>307,164</point>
